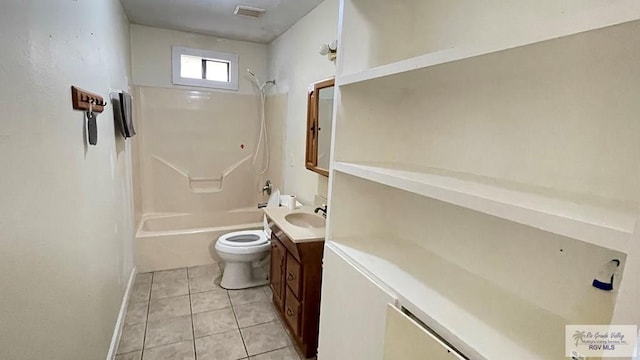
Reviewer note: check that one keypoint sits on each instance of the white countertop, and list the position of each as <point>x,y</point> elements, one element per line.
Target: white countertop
<point>297,234</point>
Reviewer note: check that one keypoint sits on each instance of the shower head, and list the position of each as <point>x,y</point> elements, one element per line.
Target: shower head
<point>255,78</point>
<point>260,85</point>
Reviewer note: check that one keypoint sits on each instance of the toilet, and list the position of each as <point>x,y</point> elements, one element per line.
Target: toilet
<point>245,255</point>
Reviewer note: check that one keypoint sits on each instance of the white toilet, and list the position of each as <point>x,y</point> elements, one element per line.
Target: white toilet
<point>245,254</point>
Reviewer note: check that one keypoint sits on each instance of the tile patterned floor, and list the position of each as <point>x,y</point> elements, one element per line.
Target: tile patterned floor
<point>184,314</point>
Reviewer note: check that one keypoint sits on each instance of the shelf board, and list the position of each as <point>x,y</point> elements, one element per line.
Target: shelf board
<point>586,22</point>
<point>593,224</point>
<point>478,318</point>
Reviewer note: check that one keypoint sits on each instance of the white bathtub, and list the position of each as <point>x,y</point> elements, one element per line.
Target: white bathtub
<point>180,240</point>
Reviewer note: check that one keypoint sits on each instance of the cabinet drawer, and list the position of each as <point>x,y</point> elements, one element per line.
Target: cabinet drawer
<point>292,312</point>
<point>294,276</point>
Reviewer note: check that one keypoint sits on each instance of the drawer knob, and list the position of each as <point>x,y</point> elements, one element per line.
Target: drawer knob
<point>289,312</point>
<point>291,277</point>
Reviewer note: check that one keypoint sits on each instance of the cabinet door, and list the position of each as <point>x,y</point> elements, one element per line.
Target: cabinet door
<point>277,273</point>
<point>353,312</point>
<point>405,339</point>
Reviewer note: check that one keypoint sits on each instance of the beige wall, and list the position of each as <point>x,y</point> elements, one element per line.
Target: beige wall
<point>65,207</point>
<point>151,56</point>
<point>294,63</point>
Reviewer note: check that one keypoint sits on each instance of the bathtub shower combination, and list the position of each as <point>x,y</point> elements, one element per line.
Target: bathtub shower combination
<point>171,241</point>
<point>197,178</point>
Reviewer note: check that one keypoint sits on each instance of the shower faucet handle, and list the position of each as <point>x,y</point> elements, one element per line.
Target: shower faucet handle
<point>267,188</point>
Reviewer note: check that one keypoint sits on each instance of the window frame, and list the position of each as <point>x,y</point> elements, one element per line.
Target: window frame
<point>232,59</point>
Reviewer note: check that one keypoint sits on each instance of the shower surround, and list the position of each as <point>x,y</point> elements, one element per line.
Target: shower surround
<point>194,160</point>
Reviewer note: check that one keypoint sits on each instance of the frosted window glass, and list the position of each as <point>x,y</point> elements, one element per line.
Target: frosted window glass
<point>217,70</point>
<point>191,67</point>
<point>204,68</point>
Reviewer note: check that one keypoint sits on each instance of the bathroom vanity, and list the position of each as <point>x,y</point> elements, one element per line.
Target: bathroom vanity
<point>296,272</point>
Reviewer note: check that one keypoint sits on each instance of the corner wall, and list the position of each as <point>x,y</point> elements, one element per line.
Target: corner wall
<point>294,63</point>
<point>65,207</point>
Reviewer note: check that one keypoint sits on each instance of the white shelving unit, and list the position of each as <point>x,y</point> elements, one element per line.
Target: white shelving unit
<point>486,164</point>
<point>589,20</point>
<point>414,34</point>
<point>460,313</point>
<point>593,224</point>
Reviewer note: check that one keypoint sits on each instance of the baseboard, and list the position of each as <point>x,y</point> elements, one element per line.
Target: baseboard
<point>117,332</point>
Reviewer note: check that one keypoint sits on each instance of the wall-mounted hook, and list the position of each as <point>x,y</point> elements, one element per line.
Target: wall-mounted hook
<point>81,100</point>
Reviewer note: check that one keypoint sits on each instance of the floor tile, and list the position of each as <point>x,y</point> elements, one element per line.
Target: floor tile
<point>254,313</point>
<point>210,300</point>
<point>246,296</point>
<point>131,339</point>
<point>268,292</point>
<point>143,278</point>
<point>170,274</point>
<point>288,353</point>
<point>136,355</point>
<point>264,338</point>
<point>214,322</point>
<point>169,283</point>
<point>136,313</point>
<point>141,288</point>
<point>211,270</point>
<point>178,351</point>
<point>201,284</point>
<point>167,331</point>
<point>169,307</point>
<point>225,346</point>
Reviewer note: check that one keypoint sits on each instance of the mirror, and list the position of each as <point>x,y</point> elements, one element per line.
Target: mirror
<point>319,120</point>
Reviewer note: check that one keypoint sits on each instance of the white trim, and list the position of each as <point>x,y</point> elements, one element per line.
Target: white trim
<point>177,51</point>
<point>117,332</point>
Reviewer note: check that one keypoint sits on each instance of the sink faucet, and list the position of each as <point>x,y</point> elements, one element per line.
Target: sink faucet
<point>262,205</point>
<point>322,208</point>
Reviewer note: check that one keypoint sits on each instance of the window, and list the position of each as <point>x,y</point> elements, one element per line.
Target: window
<point>204,68</point>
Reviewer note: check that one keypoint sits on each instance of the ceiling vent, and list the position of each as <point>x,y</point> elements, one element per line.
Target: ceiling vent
<point>249,11</point>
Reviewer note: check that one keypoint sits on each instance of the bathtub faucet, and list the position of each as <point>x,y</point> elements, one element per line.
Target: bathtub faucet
<point>267,188</point>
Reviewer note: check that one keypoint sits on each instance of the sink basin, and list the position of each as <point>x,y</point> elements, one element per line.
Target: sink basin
<point>305,220</point>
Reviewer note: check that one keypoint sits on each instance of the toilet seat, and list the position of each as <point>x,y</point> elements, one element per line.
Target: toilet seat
<point>243,242</point>
<point>245,238</point>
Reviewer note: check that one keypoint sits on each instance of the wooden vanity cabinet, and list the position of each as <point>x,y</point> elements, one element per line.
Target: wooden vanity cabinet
<point>296,280</point>
<point>278,264</point>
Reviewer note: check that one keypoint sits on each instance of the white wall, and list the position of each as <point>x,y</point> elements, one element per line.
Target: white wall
<point>65,208</point>
<point>294,63</point>
<point>151,56</point>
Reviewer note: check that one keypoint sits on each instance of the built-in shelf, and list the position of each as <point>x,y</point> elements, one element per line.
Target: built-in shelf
<point>588,21</point>
<point>594,224</point>
<point>480,319</point>
<point>481,177</point>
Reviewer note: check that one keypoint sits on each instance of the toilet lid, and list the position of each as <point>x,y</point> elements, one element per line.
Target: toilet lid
<point>244,238</point>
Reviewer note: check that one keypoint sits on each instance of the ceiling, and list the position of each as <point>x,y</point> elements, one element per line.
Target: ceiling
<point>215,17</point>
